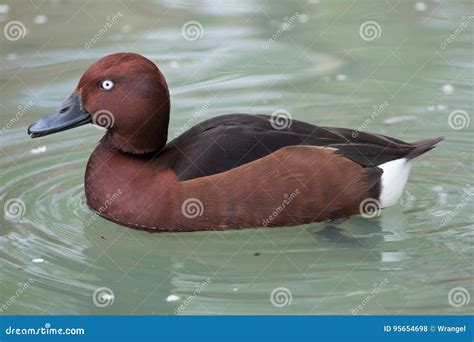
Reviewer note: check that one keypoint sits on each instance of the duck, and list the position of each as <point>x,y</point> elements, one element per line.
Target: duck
<point>232,171</point>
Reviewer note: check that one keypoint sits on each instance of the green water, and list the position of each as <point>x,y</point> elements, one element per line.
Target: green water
<point>402,79</point>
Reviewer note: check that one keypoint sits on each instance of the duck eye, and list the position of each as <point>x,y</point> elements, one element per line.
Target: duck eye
<point>107,84</point>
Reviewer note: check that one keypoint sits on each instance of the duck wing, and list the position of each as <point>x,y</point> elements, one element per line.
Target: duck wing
<point>226,142</point>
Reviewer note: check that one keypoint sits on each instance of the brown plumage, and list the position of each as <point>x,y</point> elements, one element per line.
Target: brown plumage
<point>315,183</point>
<point>229,172</point>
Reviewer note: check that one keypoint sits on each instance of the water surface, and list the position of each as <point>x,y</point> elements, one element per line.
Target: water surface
<point>401,77</point>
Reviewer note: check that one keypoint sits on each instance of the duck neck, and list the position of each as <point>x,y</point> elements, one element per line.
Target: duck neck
<point>150,136</point>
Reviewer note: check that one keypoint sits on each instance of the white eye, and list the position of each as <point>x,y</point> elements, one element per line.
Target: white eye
<point>107,84</point>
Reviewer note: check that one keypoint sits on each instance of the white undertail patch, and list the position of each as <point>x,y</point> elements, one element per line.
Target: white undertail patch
<point>394,177</point>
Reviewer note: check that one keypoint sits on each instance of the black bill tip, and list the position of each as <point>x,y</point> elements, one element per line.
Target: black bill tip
<point>71,114</point>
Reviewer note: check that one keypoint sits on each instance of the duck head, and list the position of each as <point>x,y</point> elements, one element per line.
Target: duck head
<point>125,93</point>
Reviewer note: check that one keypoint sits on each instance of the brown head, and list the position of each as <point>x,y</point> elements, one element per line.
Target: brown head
<point>125,93</point>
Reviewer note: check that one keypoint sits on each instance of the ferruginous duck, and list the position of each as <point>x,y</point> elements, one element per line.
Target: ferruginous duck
<point>229,172</point>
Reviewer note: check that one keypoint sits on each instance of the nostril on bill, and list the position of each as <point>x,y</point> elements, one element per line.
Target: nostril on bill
<point>64,110</point>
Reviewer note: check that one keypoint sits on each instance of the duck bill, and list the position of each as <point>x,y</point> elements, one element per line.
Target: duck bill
<point>71,114</point>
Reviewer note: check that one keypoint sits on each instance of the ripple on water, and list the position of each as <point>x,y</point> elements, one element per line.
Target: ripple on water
<point>421,247</point>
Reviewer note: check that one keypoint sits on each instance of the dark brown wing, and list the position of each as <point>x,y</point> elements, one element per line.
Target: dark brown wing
<point>225,142</point>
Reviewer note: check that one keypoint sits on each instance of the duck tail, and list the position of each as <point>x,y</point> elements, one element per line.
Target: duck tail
<point>423,146</point>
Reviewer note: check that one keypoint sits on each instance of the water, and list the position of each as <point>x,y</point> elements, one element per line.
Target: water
<point>399,76</point>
